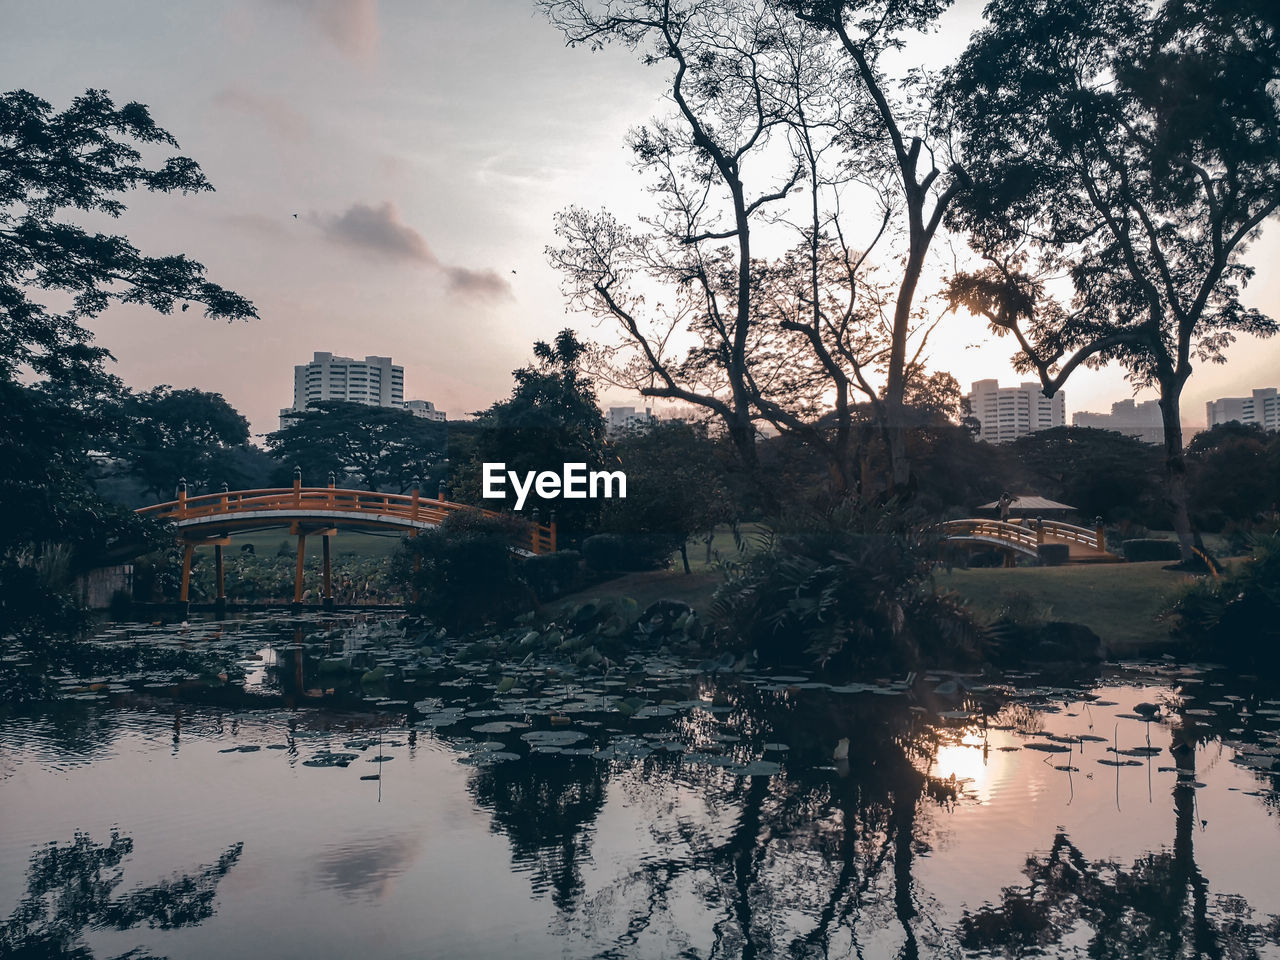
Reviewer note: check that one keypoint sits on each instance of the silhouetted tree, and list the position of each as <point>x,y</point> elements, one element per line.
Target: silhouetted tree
<point>1134,149</point>
<point>377,447</point>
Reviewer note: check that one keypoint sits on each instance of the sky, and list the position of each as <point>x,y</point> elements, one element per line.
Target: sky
<point>386,179</point>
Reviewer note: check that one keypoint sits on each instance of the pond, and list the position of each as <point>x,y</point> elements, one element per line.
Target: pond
<point>340,789</point>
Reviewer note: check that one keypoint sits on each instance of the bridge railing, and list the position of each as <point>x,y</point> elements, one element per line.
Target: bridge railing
<point>407,508</point>
<point>1029,535</point>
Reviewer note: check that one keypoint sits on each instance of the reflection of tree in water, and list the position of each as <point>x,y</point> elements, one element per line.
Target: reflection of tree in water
<point>71,888</point>
<point>544,808</point>
<point>1162,906</point>
<point>1158,907</point>
<point>800,864</point>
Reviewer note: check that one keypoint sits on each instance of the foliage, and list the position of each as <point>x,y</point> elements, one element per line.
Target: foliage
<point>465,572</point>
<point>1099,472</point>
<point>1136,150</point>
<point>180,434</point>
<point>675,488</point>
<point>378,447</point>
<point>615,552</point>
<point>1139,550</point>
<point>58,402</point>
<point>1234,473</point>
<point>778,109</point>
<point>1237,617</point>
<point>550,419</point>
<point>849,588</point>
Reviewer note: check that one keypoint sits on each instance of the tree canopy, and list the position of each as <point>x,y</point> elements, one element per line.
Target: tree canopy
<point>378,447</point>
<point>1133,150</point>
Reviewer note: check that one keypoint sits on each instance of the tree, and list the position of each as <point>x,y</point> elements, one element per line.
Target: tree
<point>728,115</point>
<point>177,434</point>
<point>550,419</point>
<point>1101,473</point>
<point>58,399</point>
<point>1234,475</point>
<point>674,486</point>
<point>1135,151</point>
<point>770,133</point>
<point>380,447</point>
<point>898,150</point>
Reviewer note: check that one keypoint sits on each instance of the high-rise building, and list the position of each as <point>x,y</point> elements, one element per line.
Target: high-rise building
<point>375,381</point>
<point>1006,413</point>
<point>1263,408</point>
<point>425,409</point>
<point>1140,420</point>
<point>622,420</point>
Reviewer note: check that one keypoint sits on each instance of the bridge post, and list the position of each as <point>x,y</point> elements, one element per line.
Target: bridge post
<point>297,485</point>
<point>297,575</point>
<point>327,600</point>
<point>220,604</point>
<point>552,518</point>
<point>413,512</point>
<point>1100,531</point>
<point>442,491</point>
<point>182,496</point>
<point>1039,530</point>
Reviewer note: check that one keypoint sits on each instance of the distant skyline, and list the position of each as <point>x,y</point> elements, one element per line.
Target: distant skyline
<point>386,179</point>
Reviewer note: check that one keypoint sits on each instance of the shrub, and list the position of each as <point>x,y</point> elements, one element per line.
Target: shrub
<point>550,575</point>
<point>1137,551</point>
<point>466,570</point>
<point>614,552</point>
<point>1237,617</point>
<point>1053,554</point>
<point>849,588</point>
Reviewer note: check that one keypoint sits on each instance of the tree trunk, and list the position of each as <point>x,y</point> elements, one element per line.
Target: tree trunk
<point>684,555</point>
<point>1175,464</point>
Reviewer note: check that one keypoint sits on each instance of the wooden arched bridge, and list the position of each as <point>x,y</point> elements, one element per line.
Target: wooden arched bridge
<point>1084,544</point>
<point>210,519</point>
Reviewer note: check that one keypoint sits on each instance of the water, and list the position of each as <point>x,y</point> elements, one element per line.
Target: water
<point>1031,816</point>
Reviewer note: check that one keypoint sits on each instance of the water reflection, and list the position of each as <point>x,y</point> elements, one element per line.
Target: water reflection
<point>71,888</point>
<point>368,867</point>
<point>728,816</point>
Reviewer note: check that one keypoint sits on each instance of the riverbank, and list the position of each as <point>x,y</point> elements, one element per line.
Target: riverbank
<point>1123,604</point>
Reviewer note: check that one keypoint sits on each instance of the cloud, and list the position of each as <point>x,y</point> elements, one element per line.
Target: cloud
<point>351,25</point>
<point>278,116</point>
<point>379,231</point>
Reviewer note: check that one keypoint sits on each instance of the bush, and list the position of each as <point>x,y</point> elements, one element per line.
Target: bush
<point>1137,551</point>
<point>467,572</point>
<point>614,552</point>
<point>850,588</point>
<point>550,575</point>
<point>1053,554</point>
<point>1237,617</point>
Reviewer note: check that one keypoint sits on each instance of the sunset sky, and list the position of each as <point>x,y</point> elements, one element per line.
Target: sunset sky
<point>424,148</point>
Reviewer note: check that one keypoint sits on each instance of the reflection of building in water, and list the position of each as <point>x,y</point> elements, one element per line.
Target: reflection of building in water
<point>1262,408</point>
<point>1139,420</point>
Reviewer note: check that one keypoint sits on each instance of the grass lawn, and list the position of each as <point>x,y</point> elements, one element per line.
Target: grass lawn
<point>1118,601</point>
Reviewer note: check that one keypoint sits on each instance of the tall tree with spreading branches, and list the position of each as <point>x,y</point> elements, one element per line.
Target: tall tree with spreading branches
<point>1129,152</point>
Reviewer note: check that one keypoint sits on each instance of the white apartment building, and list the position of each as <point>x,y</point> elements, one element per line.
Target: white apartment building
<point>1139,420</point>
<point>622,420</point>
<point>1263,408</point>
<point>375,381</point>
<point>1007,413</point>
<point>424,409</point>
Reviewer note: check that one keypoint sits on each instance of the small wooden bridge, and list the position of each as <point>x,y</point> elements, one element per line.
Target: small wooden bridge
<point>1084,545</point>
<point>211,519</point>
